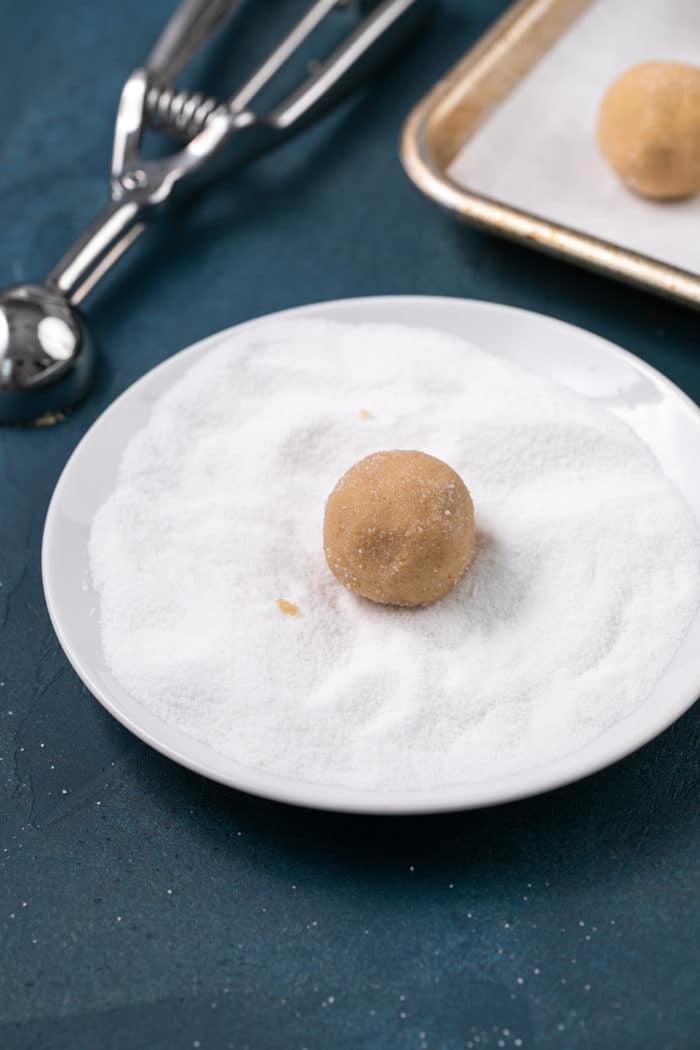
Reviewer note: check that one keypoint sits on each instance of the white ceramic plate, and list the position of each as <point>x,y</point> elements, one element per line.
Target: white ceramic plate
<point>659,413</point>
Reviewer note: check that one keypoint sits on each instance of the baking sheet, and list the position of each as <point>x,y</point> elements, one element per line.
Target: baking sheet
<point>537,151</point>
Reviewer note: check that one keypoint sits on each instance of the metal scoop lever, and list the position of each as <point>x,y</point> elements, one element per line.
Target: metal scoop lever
<point>46,356</point>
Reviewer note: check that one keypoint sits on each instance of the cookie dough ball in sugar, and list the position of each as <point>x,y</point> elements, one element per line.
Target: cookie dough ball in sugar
<point>399,528</point>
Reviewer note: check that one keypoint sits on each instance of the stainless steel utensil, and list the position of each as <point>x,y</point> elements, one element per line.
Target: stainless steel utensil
<point>46,355</point>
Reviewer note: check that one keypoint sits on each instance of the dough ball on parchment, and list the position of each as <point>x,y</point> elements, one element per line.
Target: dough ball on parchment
<point>649,128</point>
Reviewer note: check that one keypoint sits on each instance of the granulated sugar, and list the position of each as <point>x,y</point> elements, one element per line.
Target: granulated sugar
<point>584,581</point>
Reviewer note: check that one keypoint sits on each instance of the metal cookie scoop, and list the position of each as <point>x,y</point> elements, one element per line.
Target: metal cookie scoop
<point>46,355</point>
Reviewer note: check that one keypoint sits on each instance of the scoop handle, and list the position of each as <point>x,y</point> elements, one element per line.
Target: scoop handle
<point>372,43</point>
<point>190,26</point>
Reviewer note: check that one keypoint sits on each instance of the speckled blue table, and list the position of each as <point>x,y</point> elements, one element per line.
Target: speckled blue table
<point>143,907</point>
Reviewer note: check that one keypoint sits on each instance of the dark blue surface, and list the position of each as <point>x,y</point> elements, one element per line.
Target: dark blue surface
<point>143,907</point>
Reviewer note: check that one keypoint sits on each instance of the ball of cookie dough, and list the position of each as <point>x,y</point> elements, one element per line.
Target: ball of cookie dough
<point>399,528</point>
<point>649,128</point>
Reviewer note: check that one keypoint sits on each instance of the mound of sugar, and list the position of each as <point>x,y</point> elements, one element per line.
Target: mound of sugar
<point>584,581</point>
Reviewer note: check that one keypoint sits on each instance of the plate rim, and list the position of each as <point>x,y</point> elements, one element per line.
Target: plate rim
<point>479,794</point>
